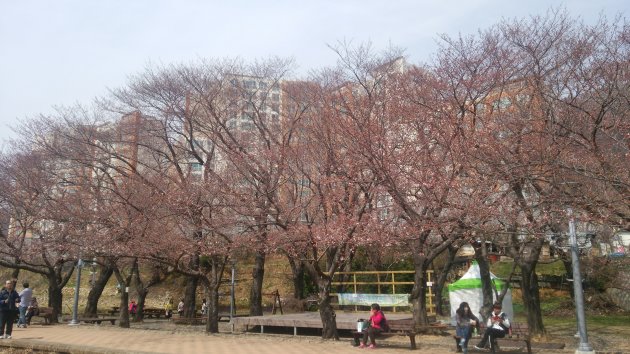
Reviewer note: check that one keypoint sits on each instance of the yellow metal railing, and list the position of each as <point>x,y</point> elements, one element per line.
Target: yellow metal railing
<point>378,275</point>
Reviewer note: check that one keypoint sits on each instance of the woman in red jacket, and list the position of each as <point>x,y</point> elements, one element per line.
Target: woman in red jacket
<point>377,325</point>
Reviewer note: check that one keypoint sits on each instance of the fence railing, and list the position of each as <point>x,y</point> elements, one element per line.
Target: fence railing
<point>394,282</point>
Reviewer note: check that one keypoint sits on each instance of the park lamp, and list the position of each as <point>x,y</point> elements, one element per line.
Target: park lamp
<point>75,306</point>
<point>232,290</point>
<point>93,272</point>
<point>584,347</point>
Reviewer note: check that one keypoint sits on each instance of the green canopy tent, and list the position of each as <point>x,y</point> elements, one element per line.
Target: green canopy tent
<point>468,289</point>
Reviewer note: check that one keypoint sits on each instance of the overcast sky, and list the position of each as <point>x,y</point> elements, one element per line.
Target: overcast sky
<point>66,51</point>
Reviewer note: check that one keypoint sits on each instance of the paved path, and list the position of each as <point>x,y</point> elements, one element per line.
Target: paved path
<point>91,339</point>
<point>110,339</point>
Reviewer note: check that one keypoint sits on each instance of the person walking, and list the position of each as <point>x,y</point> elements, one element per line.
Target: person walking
<point>25,299</point>
<point>9,299</point>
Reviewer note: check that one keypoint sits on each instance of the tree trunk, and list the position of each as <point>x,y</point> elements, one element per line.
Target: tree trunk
<point>258,275</point>
<point>481,256</point>
<point>323,283</point>
<point>91,308</point>
<point>15,273</point>
<point>158,274</point>
<point>418,297</point>
<point>297,277</point>
<point>123,319</point>
<point>531,299</point>
<point>142,296</point>
<point>326,312</point>
<point>345,278</point>
<point>441,280</point>
<point>212,322</point>
<point>190,295</point>
<point>55,297</point>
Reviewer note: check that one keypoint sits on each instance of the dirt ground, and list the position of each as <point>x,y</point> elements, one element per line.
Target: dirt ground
<point>612,339</point>
<point>165,337</point>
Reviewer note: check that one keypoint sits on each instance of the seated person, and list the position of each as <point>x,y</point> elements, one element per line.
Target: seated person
<point>466,321</point>
<point>133,308</point>
<point>32,310</point>
<point>377,324</point>
<point>497,327</point>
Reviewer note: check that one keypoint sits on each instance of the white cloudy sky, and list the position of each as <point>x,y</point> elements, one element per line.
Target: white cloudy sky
<point>66,51</point>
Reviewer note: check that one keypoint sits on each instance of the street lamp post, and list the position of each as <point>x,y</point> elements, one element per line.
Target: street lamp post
<point>584,346</point>
<point>75,306</point>
<point>232,295</point>
<point>232,286</point>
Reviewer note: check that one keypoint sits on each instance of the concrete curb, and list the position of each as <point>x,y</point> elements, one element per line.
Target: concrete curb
<point>42,346</point>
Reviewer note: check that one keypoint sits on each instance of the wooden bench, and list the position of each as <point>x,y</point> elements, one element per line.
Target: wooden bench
<point>519,332</point>
<point>194,321</point>
<point>98,320</point>
<point>46,313</point>
<point>407,328</point>
<point>153,312</point>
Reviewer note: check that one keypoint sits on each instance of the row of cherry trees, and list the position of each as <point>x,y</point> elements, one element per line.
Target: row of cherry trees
<point>492,140</point>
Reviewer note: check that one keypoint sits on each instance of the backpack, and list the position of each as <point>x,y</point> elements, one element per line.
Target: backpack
<point>384,325</point>
<point>508,330</point>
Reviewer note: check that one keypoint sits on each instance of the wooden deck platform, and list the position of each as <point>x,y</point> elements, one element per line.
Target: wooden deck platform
<point>345,320</point>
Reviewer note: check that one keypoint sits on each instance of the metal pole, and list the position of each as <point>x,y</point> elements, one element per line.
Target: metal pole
<point>232,299</point>
<point>584,346</point>
<point>75,306</point>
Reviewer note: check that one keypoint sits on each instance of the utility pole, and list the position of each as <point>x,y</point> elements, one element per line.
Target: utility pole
<point>584,347</point>
<point>75,306</point>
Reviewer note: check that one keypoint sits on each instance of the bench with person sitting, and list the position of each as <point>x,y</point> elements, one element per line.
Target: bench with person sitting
<point>379,326</point>
<point>498,326</point>
<point>44,312</point>
<point>518,332</point>
<point>98,320</point>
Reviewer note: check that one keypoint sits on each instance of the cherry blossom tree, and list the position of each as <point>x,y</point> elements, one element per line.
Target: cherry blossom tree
<point>39,197</point>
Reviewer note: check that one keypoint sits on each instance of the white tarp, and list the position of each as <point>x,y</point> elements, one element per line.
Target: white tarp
<point>468,289</point>
<point>389,300</point>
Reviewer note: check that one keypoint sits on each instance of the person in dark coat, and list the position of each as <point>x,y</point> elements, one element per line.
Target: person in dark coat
<point>9,300</point>
<point>466,321</point>
<point>497,327</point>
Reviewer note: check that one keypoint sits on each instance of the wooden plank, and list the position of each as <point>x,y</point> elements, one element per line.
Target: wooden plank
<point>309,320</point>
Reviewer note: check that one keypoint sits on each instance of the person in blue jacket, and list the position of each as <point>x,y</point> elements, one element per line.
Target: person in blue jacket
<point>9,300</point>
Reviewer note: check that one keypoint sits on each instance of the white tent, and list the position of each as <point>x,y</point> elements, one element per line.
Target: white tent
<point>468,289</point>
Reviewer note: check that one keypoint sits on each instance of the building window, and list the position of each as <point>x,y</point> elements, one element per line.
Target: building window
<point>501,103</point>
<point>522,98</point>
